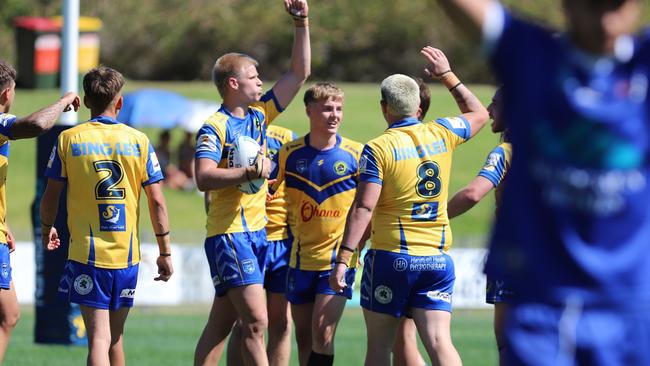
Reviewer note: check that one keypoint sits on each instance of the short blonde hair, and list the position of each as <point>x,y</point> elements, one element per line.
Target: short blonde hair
<point>401,94</point>
<point>322,90</point>
<point>227,66</point>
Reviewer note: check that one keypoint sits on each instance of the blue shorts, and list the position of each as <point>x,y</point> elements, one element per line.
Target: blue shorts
<point>5,267</point>
<point>277,264</point>
<point>303,286</point>
<point>496,291</point>
<point>236,259</point>
<point>393,282</point>
<point>541,334</point>
<point>100,288</point>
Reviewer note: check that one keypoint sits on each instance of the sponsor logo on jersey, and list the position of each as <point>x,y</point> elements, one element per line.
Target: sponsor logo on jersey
<point>425,211</point>
<point>492,161</point>
<point>51,159</point>
<point>128,293</point>
<point>112,217</point>
<point>439,295</point>
<point>248,266</point>
<point>363,163</point>
<point>206,142</point>
<point>154,162</point>
<point>216,281</point>
<point>5,118</point>
<point>400,264</point>
<point>383,294</point>
<point>83,284</point>
<point>309,210</point>
<point>340,167</point>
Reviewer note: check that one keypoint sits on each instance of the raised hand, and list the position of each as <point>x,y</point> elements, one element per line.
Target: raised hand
<point>298,9</point>
<point>437,59</point>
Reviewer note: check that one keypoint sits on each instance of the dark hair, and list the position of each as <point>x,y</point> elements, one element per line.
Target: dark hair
<point>7,74</point>
<point>101,85</point>
<point>425,97</point>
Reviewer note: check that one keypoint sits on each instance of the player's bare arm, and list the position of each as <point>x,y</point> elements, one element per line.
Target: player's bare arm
<point>209,176</point>
<point>11,240</point>
<point>49,208</point>
<point>291,82</point>
<point>357,223</point>
<point>160,223</point>
<point>469,196</point>
<point>471,108</point>
<point>40,121</point>
<point>470,13</point>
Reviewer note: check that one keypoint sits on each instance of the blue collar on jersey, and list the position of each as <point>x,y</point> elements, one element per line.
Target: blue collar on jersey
<point>338,143</point>
<point>405,122</point>
<point>104,119</point>
<point>227,112</point>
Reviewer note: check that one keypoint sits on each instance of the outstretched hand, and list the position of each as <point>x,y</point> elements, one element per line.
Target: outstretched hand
<point>437,59</point>
<point>298,9</point>
<point>72,101</point>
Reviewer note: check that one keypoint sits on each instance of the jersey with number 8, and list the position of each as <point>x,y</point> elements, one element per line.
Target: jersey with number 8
<point>412,162</point>
<point>105,164</point>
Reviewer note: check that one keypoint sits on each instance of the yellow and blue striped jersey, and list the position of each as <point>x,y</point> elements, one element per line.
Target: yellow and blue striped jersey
<point>412,163</point>
<point>276,206</point>
<point>496,167</point>
<point>6,121</point>
<point>230,210</point>
<point>105,164</point>
<point>319,187</point>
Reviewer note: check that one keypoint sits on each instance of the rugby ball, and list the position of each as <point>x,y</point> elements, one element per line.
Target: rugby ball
<point>242,154</point>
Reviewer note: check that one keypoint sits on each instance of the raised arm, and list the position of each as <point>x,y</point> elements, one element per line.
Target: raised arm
<point>471,108</point>
<point>160,223</point>
<point>41,121</point>
<point>469,15</point>
<point>469,196</point>
<point>290,83</point>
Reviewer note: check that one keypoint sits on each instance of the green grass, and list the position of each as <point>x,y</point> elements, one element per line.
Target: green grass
<point>362,121</point>
<point>167,336</point>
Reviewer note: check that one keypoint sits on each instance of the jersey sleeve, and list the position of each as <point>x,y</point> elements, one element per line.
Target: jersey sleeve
<point>6,121</point>
<point>209,143</point>
<point>153,171</point>
<point>495,167</point>
<point>458,129</point>
<point>370,167</point>
<point>56,163</point>
<point>269,106</point>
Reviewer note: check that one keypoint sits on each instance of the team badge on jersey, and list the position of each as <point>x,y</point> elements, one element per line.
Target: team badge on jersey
<point>83,284</point>
<point>383,294</point>
<point>301,166</point>
<point>112,217</point>
<point>492,161</point>
<point>207,142</point>
<point>425,211</point>
<point>340,167</point>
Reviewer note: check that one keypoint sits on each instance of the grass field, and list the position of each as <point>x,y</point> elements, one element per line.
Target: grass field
<point>362,121</point>
<point>167,336</point>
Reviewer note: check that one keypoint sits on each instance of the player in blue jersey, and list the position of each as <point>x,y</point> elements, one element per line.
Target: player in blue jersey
<point>573,227</point>
<point>236,243</point>
<point>12,128</point>
<point>104,165</point>
<point>404,175</point>
<point>491,176</point>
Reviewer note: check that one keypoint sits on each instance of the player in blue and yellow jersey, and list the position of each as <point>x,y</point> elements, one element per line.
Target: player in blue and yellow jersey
<point>491,176</point>
<point>404,175</point>
<point>319,171</point>
<point>12,128</point>
<point>236,240</point>
<point>104,165</point>
<point>278,236</point>
<point>572,235</point>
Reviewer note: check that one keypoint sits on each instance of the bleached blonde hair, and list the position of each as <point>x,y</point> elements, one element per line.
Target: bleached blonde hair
<point>401,94</point>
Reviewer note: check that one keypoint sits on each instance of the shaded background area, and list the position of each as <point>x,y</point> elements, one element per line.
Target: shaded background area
<point>361,40</point>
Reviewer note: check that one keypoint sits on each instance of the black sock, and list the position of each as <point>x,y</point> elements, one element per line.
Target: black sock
<point>319,359</point>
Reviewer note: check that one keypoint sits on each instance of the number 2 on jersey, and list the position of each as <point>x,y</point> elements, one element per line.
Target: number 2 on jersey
<point>105,188</point>
<point>428,184</point>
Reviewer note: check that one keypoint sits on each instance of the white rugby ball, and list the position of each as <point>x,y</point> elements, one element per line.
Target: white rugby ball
<point>242,154</point>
